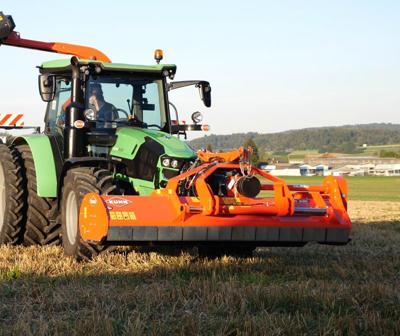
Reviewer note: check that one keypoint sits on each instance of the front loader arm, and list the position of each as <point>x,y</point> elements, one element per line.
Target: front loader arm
<point>9,37</point>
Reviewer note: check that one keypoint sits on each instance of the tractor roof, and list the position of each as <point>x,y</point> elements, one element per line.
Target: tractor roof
<point>64,65</point>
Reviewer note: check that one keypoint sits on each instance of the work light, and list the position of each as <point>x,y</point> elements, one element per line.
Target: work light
<point>166,162</point>
<point>174,164</point>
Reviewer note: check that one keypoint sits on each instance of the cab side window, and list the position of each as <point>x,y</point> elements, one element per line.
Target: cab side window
<point>55,116</point>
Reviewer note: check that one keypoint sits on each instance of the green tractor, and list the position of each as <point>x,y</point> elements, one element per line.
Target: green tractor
<point>108,129</point>
<point>109,169</point>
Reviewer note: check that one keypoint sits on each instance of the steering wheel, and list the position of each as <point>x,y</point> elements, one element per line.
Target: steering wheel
<point>117,110</point>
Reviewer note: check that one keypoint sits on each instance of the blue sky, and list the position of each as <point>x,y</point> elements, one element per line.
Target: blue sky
<point>273,65</point>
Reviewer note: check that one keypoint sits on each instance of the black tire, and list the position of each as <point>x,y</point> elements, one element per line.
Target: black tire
<point>13,196</point>
<point>77,183</point>
<point>220,250</point>
<point>42,227</point>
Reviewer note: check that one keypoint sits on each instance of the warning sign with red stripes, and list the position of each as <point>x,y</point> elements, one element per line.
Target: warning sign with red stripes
<point>12,120</point>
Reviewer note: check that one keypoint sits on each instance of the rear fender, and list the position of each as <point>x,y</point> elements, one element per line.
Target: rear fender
<point>44,161</point>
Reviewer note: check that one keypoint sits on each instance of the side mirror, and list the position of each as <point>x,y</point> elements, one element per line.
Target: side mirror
<point>47,87</point>
<point>197,117</point>
<point>205,93</point>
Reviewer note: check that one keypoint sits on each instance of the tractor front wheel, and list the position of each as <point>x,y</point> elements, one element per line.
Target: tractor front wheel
<point>77,183</point>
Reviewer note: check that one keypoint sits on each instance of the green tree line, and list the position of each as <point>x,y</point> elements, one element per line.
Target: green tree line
<point>341,139</point>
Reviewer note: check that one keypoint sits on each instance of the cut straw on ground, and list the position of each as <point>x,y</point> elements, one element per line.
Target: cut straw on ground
<point>316,289</point>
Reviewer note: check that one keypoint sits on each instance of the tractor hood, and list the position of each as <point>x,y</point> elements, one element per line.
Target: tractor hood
<point>129,140</point>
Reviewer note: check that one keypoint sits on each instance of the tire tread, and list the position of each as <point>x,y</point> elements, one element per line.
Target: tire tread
<point>86,180</point>
<point>42,227</point>
<point>16,195</point>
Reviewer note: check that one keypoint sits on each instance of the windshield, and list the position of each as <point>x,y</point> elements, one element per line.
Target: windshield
<point>115,100</point>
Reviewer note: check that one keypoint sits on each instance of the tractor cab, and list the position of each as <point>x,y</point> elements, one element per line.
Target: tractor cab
<point>89,100</point>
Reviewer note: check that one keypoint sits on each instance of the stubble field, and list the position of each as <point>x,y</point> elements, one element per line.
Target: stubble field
<point>317,289</point>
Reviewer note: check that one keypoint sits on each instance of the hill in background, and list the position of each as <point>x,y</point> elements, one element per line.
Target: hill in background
<point>340,139</point>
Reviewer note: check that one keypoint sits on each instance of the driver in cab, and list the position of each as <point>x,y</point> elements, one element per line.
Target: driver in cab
<point>105,112</point>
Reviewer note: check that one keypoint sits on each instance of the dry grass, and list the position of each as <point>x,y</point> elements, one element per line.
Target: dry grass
<point>317,289</point>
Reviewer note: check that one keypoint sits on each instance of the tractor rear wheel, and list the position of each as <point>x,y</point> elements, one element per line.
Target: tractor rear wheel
<point>13,196</point>
<point>42,226</point>
<point>77,183</point>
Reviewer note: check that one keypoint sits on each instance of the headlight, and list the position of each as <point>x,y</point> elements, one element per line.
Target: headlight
<point>174,164</point>
<point>90,114</point>
<point>165,162</point>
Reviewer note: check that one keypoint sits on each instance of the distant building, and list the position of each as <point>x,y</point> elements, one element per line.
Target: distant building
<point>307,170</point>
<point>368,169</point>
<point>351,170</point>
<point>381,169</point>
<point>296,161</point>
<point>387,169</point>
<point>322,170</point>
<point>281,169</point>
<point>343,171</point>
<point>286,172</point>
<point>267,167</point>
<point>345,160</point>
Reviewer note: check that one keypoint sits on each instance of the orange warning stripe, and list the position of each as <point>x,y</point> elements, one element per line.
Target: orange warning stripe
<point>16,119</point>
<point>11,119</point>
<point>4,119</point>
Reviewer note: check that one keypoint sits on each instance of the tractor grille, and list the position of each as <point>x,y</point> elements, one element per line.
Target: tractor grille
<point>144,165</point>
<point>169,173</point>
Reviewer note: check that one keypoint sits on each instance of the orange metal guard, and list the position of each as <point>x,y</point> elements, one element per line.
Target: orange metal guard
<point>293,214</point>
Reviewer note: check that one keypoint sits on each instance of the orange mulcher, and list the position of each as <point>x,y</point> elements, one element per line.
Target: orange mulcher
<point>291,216</point>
